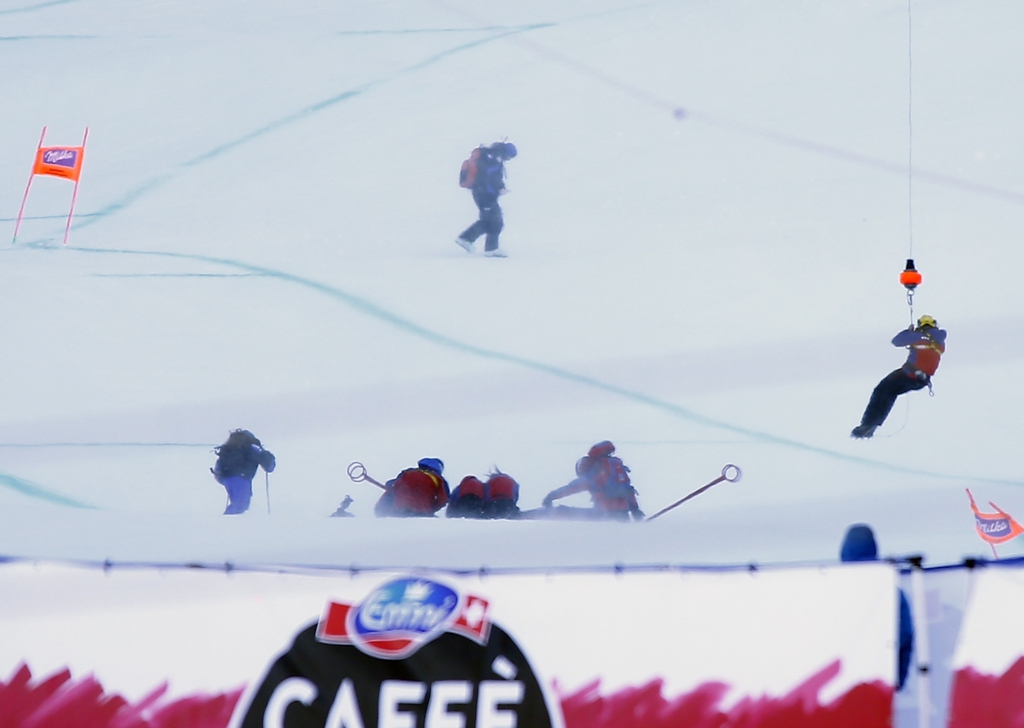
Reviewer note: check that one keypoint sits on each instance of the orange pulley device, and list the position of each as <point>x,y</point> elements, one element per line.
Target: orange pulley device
<point>910,278</point>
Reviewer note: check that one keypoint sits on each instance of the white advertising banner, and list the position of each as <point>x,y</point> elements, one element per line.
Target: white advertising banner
<point>988,682</point>
<point>153,647</point>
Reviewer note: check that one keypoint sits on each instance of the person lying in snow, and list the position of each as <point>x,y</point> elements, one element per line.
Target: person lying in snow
<point>474,498</point>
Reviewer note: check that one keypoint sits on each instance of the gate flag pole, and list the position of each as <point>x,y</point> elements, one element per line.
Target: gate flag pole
<point>27,188</point>
<point>74,195</point>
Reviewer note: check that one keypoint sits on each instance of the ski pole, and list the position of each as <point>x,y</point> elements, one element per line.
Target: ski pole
<point>730,472</point>
<point>357,472</point>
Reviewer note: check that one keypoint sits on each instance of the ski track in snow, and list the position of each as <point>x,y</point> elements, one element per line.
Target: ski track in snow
<point>37,6</point>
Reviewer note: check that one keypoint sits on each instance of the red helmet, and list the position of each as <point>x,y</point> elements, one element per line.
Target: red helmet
<point>601,449</point>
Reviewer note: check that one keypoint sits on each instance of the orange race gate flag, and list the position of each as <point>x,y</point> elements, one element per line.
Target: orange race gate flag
<point>998,527</point>
<point>63,162</point>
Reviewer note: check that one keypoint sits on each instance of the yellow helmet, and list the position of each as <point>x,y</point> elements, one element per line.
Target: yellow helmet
<point>927,321</point>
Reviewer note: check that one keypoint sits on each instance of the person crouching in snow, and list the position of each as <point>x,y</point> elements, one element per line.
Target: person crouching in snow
<point>237,461</point>
<point>606,478</point>
<point>473,498</point>
<point>419,491</point>
<point>486,179</point>
<point>927,343</point>
<point>502,496</point>
<point>467,500</point>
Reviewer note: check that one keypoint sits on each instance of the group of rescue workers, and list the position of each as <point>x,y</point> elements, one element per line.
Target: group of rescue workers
<point>423,491</point>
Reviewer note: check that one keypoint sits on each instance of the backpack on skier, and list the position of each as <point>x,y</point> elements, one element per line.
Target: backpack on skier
<point>471,169</point>
<point>502,499</point>
<point>467,500</point>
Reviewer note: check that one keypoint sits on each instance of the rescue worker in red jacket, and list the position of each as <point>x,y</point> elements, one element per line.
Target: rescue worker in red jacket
<point>419,491</point>
<point>606,478</point>
<point>927,343</point>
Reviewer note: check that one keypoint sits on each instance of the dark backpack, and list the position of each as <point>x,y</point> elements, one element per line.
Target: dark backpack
<point>235,455</point>
<point>470,171</point>
<point>241,455</point>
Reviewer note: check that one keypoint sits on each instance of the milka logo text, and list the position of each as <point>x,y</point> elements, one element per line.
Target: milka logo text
<point>61,157</point>
<point>994,527</point>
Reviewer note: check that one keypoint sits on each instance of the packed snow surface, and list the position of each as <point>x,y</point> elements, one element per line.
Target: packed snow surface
<point>706,222</point>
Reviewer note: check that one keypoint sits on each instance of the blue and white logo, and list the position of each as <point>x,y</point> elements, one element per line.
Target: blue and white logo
<point>402,615</point>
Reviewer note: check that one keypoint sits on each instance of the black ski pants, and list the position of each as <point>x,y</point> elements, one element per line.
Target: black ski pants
<point>885,394</point>
<point>490,222</point>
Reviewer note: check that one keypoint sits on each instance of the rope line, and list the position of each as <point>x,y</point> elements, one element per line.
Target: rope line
<point>910,133</point>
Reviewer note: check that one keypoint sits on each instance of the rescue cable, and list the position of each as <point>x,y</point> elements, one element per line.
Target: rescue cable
<point>910,278</point>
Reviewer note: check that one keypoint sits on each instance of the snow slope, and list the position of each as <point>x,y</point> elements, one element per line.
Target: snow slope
<point>707,219</point>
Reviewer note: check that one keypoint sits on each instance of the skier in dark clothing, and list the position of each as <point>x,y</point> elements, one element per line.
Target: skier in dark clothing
<point>484,174</point>
<point>237,461</point>
<point>927,343</point>
<point>859,545</point>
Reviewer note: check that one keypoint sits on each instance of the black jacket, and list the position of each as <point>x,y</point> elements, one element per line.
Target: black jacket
<point>242,461</point>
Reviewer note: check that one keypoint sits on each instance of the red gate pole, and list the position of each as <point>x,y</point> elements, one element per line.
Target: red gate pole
<point>74,195</point>
<point>729,472</point>
<point>28,187</point>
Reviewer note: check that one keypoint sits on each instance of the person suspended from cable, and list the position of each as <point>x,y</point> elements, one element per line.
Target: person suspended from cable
<point>927,343</point>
